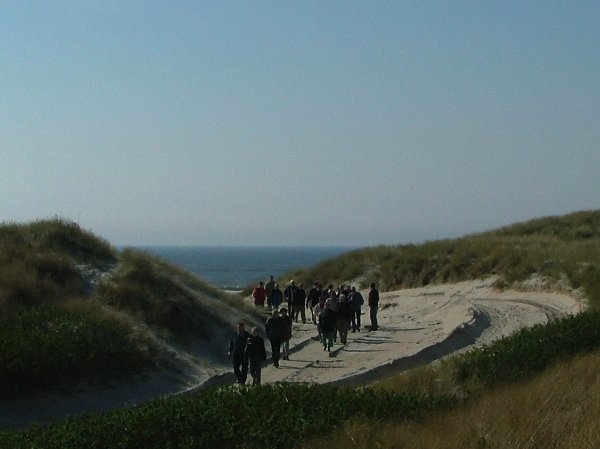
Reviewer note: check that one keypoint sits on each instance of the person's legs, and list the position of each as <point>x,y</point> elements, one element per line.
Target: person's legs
<point>373,316</point>
<point>276,351</point>
<point>302,314</point>
<point>257,379</point>
<point>255,366</point>
<point>244,371</point>
<point>237,364</point>
<point>286,349</point>
<point>343,329</point>
<point>329,340</point>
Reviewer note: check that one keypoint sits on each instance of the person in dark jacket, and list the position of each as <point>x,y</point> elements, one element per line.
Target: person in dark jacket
<point>255,354</point>
<point>373,306</point>
<point>327,322</point>
<point>237,348</point>
<point>289,294</point>
<point>313,299</point>
<point>276,297</point>
<point>343,318</point>
<point>300,304</point>
<point>269,286</point>
<point>274,328</point>
<point>356,301</point>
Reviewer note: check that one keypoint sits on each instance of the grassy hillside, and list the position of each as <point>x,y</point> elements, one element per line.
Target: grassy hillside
<point>73,309</point>
<point>561,249</point>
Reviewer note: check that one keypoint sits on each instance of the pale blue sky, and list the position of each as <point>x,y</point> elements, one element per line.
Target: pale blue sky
<point>297,123</point>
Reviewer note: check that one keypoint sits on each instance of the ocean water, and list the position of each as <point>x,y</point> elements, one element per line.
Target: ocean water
<point>234,268</point>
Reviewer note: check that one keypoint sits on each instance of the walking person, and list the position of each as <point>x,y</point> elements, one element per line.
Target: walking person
<point>343,318</point>
<point>313,299</point>
<point>320,307</point>
<point>289,294</point>
<point>327,321</point>
<point>259,295</point>
<point>237,349</point>
<point>276,297</point>
<point>287,333</point>
<point>269,286</point>
<point>255,354</point>
<point>373,306</point>
<point>274,330</point>
<point>356,302</point>
<point>300,304</point>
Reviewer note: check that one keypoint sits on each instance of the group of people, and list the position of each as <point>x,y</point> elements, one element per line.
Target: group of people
<point>334,311</point>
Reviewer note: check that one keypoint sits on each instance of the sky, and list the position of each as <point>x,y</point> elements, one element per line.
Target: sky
<point>304,123</point>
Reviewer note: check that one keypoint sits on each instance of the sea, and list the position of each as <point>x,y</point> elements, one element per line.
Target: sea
<point>234,268</point>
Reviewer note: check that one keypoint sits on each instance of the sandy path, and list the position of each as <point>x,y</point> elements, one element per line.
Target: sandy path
<point>417,326</point>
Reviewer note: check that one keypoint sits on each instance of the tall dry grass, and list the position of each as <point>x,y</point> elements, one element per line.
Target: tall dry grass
<point>558,409</point>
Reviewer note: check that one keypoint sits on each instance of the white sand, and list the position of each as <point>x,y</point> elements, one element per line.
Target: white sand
<point>416,326</point>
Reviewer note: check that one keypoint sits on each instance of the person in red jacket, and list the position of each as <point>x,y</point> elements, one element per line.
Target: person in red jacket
<point>259,295</point>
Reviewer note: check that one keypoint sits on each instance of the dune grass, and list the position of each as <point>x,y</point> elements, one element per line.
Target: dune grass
<point>60,327</point>
<point>557,248</point>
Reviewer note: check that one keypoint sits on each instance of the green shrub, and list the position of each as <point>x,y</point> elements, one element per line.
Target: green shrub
<point>269,416</point>
<point>530,350</point>
<point>46,347</point>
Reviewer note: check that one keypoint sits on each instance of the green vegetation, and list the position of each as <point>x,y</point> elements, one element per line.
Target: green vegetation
<point>283,415</point>
<point>536,388</point>
<point>530,350</point>
<point>73,309</point>
<point>44,347</point>
<point>226,418</point>
<point>553,247</point>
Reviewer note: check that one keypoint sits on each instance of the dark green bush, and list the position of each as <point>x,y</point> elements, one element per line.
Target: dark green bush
<point>265,417</point>
<point>530,350</point>
<point>46,347</point>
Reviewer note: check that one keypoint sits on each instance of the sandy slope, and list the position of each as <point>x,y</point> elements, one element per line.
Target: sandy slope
<point>415,326</point>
